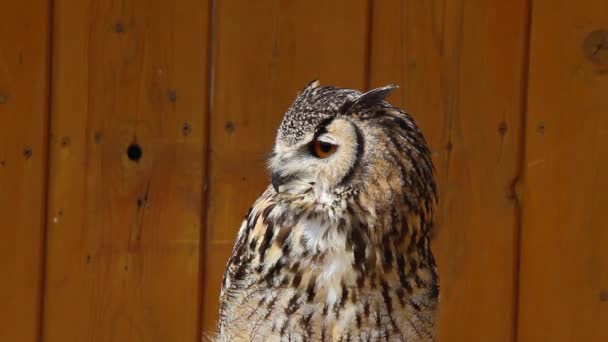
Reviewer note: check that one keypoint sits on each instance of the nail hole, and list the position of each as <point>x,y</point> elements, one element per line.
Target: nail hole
<point>186,129</point>
<point>449,146</point>
<point>27,152</point>
<point>229,126</point>
<point>3,98</point>
<point>134,152</point>
<point>540,128</point>
<point>502,128</point>
<point>172,95</point>
<point>65,142</point>
<point>119,27</point>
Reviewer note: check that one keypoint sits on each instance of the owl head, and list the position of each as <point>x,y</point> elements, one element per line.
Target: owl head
<point>336,142</point>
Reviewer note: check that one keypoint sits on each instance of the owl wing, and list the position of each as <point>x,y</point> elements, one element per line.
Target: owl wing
<point>237,267</point>
<point>232,266</point>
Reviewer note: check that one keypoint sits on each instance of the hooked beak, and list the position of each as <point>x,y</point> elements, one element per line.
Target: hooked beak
<point>278,180</point>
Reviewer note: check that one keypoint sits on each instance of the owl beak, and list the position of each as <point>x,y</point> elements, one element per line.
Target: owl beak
<point>277,181</point>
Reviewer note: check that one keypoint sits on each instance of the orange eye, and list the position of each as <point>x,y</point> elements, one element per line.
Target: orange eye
<point>323,149</point>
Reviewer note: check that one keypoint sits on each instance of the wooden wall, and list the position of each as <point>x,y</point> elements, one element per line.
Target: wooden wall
<point>24,116</point>
<point>133,135</point>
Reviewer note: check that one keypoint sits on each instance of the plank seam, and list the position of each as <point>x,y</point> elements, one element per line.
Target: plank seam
<point>369,45</point>
<point>519,178</point>
<point>211,43</point>
<point>47,165</point>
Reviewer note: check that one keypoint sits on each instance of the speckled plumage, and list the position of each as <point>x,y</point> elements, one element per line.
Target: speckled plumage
<point>338,248</point>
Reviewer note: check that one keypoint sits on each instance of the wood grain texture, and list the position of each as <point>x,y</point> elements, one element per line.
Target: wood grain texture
<point>24,73</point>
<point>459,66</point>
<point>564,263</point>
<point>265,52</point>
<point>124,236</point>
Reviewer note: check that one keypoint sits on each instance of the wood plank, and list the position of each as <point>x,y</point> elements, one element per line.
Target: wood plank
<point>123,239</point>
<point>459,66</point>
<point>267,51</point>
<point>24,74</point>
<point>564,264</point>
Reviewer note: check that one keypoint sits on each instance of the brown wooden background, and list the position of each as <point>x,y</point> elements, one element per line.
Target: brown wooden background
<point>512,96</point>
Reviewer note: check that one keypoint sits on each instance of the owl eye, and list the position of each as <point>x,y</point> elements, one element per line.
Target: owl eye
<point>322,149</point>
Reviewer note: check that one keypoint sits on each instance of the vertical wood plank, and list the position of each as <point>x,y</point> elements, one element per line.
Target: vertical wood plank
<point>24,61</point>
<point>123,238</point>
<point>267,51</point>
<point>460,65</point>
<point>564,263</point>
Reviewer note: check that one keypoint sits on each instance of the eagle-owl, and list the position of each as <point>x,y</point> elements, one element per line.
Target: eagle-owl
<point>337,247</point>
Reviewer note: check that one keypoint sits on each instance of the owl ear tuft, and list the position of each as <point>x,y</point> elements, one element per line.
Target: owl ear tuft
<point>370,98</point>
<point>375,96</point>
<point>311,85</point>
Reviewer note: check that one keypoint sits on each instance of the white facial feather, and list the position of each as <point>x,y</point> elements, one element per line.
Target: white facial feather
<point>303,169</point>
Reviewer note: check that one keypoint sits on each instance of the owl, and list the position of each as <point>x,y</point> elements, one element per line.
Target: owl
<point>337,247</point>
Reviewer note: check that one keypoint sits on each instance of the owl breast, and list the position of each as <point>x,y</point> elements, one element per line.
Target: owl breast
<point>307,277</point>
